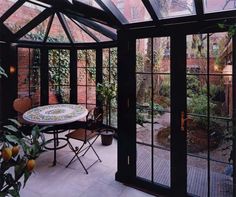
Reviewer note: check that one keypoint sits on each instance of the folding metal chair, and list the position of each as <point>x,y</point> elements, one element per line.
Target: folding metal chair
<point>21,105</point>
<point>87,136</point>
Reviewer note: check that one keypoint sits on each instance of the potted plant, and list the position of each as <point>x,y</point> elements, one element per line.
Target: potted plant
<point>17,157</point>
<point>107,92</point>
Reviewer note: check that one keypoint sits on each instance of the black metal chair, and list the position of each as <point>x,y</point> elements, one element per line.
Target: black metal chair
<point>87,136</point>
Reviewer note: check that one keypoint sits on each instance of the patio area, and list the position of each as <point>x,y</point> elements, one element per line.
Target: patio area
<point>73,181</point>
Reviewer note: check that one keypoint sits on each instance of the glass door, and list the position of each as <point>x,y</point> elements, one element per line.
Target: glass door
<point>153,110</point>
<point>184,114</point>
<point>209,115</point>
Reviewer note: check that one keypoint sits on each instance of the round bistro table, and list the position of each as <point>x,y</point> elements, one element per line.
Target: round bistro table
<point>58,114</point>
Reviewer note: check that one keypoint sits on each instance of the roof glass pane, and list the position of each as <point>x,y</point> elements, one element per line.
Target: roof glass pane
<point>218,5</point>
<point>92,3</point>
<point>133,10</point>
<point>78,34</point>
<point>57,33</point>
<point>173,8</point>
<point>38,33</point>
<point>5,5</point>
<point>107,27</point>
<point>22,16</point>
<point>98,35</point>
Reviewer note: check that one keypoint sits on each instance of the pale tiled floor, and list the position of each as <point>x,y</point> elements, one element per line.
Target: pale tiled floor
<point>58,181</point>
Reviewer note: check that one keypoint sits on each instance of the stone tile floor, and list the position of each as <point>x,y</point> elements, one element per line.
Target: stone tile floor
<point>58,181</point>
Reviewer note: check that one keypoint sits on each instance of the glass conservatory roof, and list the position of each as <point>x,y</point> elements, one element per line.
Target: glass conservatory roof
<point>219,5</point>
<point>88,21</point>
<point>92,3</point>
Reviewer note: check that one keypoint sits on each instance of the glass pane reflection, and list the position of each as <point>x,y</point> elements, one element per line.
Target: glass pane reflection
<point>173,8</point>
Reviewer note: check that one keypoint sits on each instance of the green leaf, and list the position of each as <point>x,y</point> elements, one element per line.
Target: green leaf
<point>26,176</point>
<point>35,133</point>
<point>2,180</point>
<point>2,72</point>
<point>11,128</point>
<point>45,128</point>
<point>14,193</point>
<point>221,25</point>
<point>15,122</point>
<point>7,164</point>
<point>9,179</point>
<point>13,139</point>
<point>3,194</point>
<point>18,171</point>
<point>24,146</point>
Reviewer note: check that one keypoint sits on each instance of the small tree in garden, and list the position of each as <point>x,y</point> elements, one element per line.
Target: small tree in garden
<point>107,92</point>
<point>17,158</point>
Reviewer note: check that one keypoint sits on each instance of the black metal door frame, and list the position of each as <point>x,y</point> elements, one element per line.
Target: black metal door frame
<point>127,113</point>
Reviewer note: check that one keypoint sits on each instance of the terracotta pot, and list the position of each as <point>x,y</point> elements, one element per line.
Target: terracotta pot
<point>107,136</point>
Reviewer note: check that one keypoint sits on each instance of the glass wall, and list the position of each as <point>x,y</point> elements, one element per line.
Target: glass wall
<point>109,76</point>
<point>59,76</point>
<point>153,109</point>
<point>29,74</point>
<point>209,106</point>
<point>86,78</point>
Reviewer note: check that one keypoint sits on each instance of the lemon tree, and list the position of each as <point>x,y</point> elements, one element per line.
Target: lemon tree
<point>17,157</point>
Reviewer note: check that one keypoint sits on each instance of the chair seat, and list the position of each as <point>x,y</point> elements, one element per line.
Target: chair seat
<point>80,134</point>
<point>87,134</point>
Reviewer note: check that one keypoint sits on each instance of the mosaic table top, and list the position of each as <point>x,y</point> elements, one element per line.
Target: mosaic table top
<point>55,114</point>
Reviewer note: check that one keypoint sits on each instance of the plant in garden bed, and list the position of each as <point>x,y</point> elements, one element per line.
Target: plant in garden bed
<point>229,137</point>
<point>17,158</point>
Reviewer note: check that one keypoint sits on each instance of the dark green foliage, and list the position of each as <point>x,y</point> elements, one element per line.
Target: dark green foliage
<point>12,170</point>
<point>157,108</point>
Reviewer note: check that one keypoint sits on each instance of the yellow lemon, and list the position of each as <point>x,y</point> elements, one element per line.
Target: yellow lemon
<point>30,164</point>
<point>6,154</point>
<point>15,150</point>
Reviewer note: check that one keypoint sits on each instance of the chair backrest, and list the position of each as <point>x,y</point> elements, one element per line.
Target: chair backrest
<point>21,105</point>
<point>94,118</point>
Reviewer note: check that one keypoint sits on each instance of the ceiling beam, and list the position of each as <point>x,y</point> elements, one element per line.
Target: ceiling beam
<point>86,30</point>
<point>151,10</point>
<point>109,7</point>
<point>48,27</point>
<point>216,16</point>
<point>182,28</point>
<point>5,33</point>
<point>83,10</point>
<point>199,8</point>
<point>11,10</point>
<point>65,27</point>
<point>95,26</point>
<point>33,23</point>
<point>156,7</point>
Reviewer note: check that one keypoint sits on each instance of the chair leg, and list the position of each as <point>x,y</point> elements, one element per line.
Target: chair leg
<point>91,145</point>
<point>76,152</point>
<point>76,155</point>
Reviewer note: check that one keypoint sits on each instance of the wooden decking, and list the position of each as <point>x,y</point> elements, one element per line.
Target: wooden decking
<point>221,185</point>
